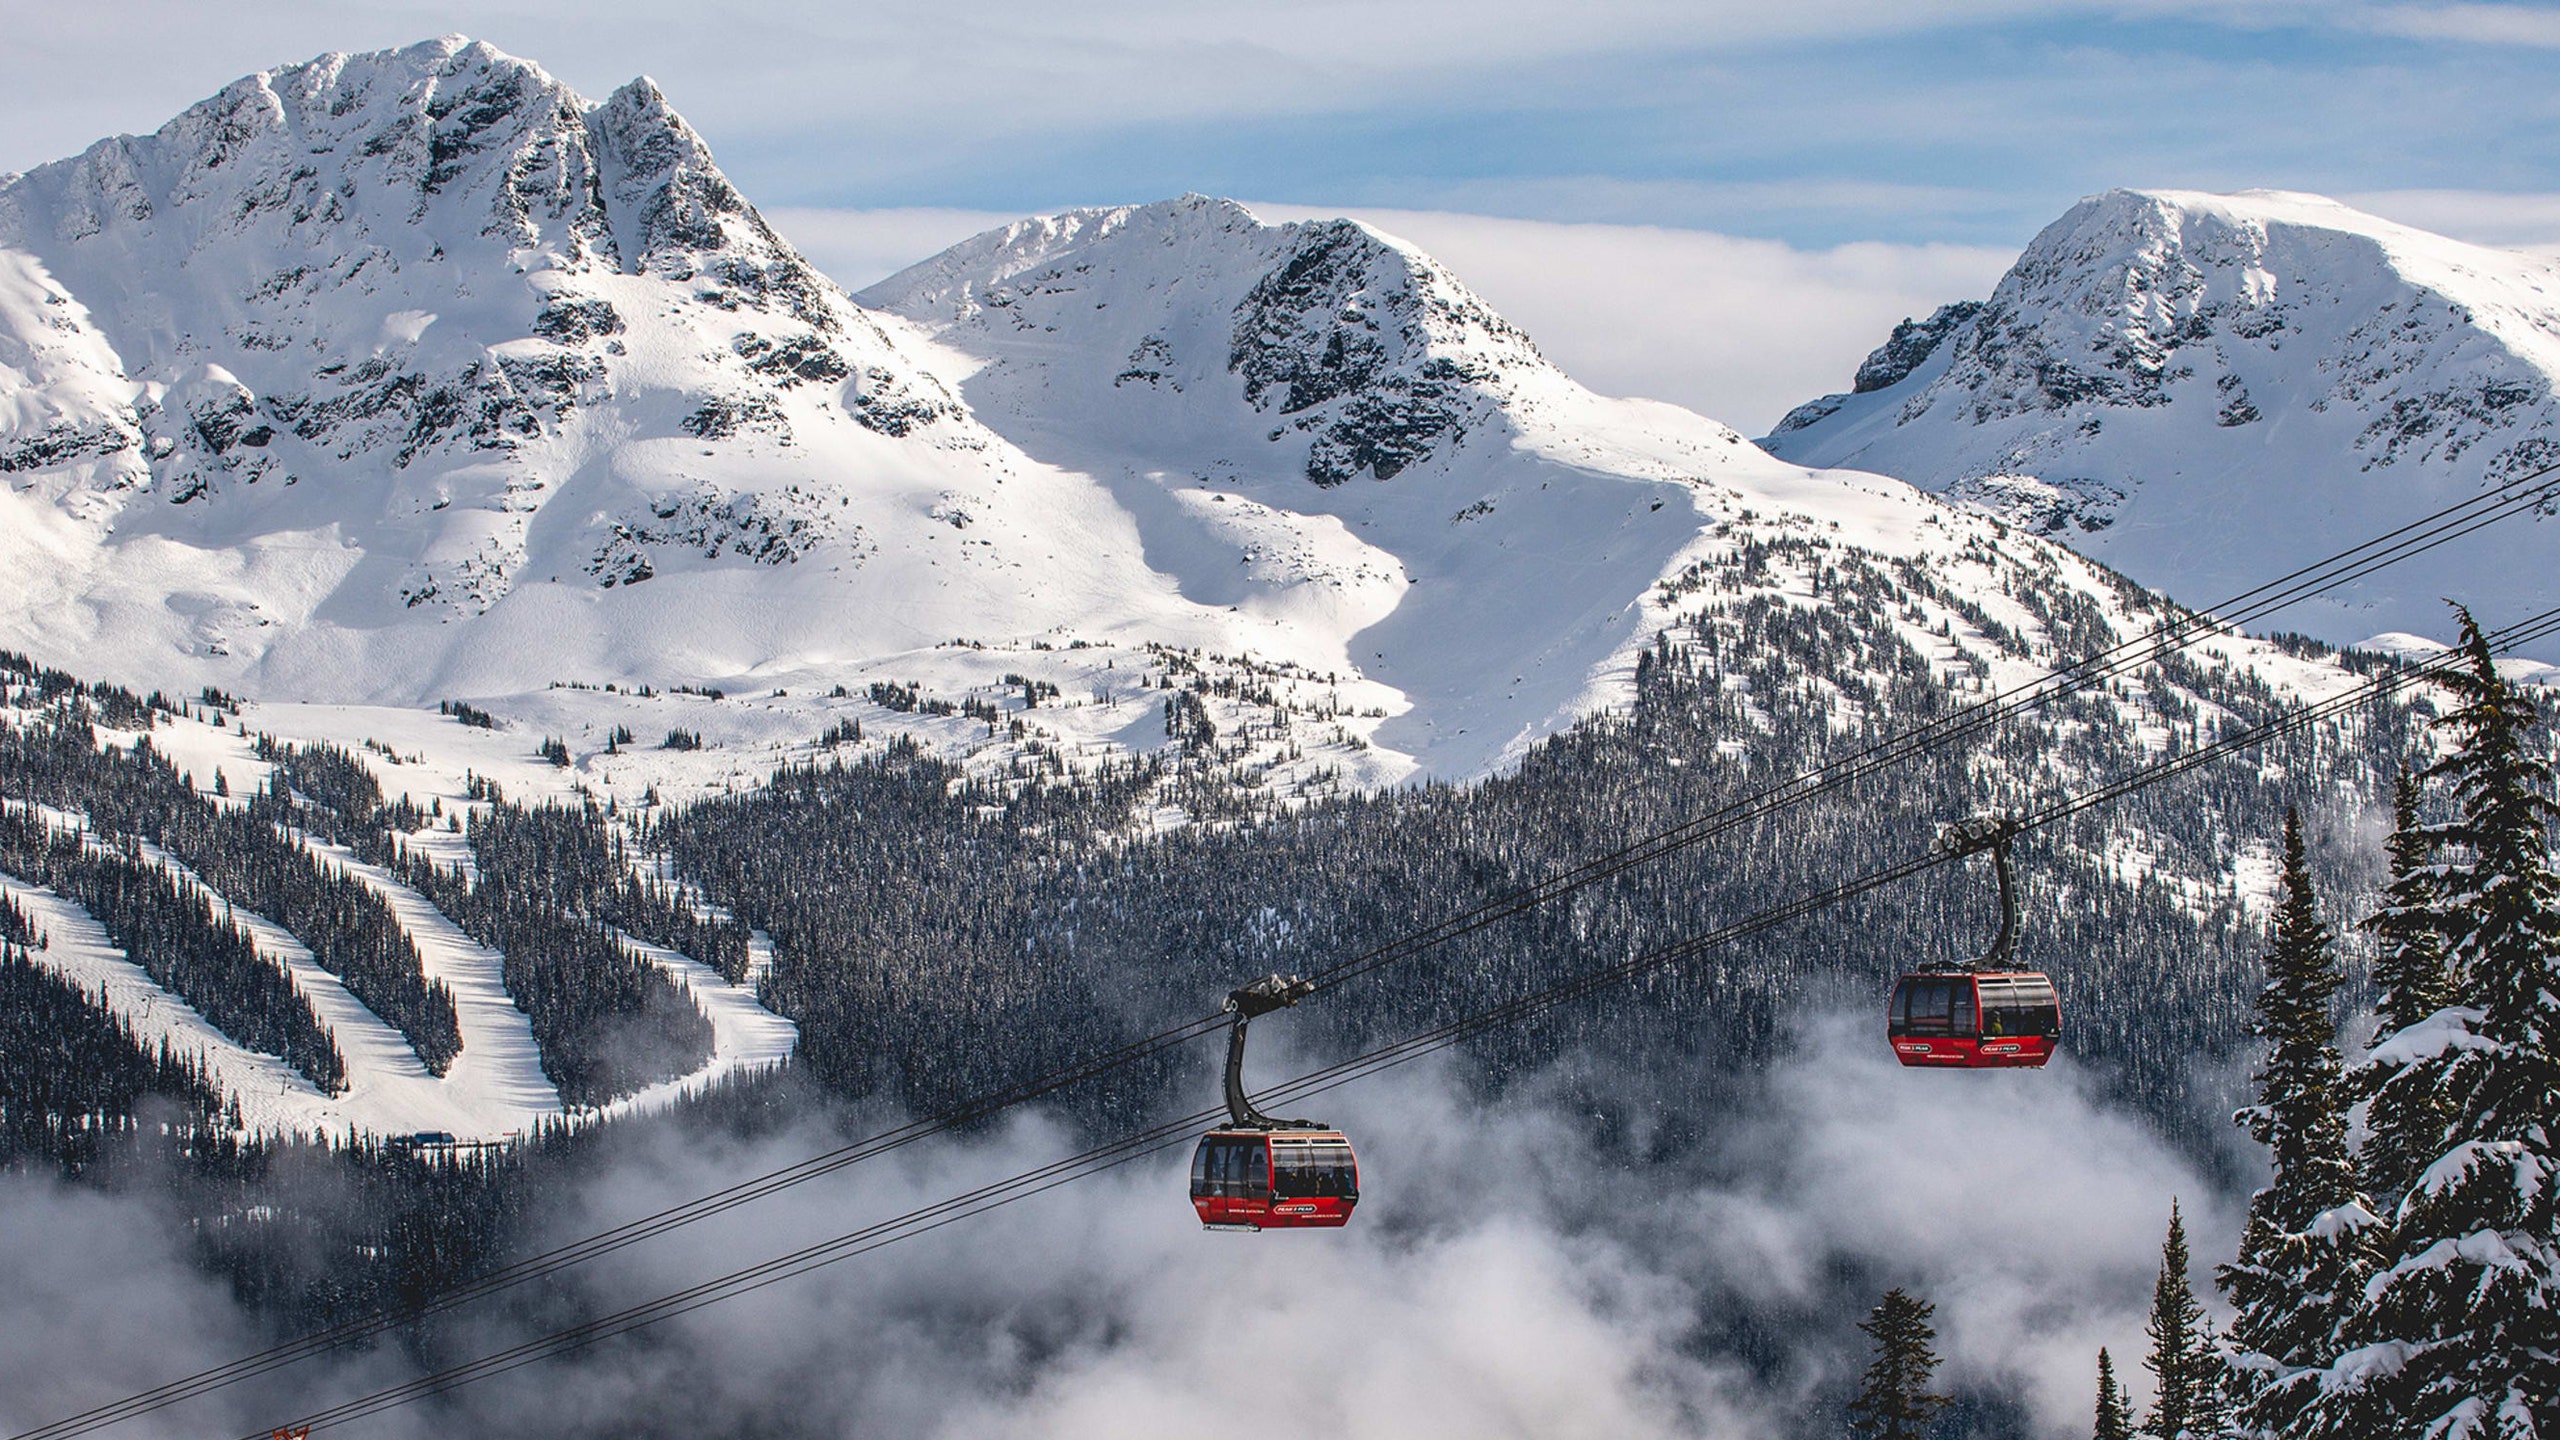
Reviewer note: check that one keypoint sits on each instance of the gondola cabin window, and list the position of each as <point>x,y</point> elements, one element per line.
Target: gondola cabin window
<point>1312,1167</point>
<point>1928,1006</point>
<point>1232,1167</point>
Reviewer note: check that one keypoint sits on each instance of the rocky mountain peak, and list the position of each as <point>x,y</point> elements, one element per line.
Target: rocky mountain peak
<point>1323,334</point>
<point>2163,372</point>
<point>410,299</point>
<point>676,216</point>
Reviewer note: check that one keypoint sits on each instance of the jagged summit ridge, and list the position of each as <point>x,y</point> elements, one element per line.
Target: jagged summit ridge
<point>436,325</point>
<point>1349,342</point>
<point>330,216</point>
<point>2172,381</point>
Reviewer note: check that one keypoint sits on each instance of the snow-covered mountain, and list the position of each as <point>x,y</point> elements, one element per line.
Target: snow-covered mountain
<point>391,379</point>
<point>414,373</point>
<point>2204,390</point>
<point>1321,427</point>
<point>396,377</point>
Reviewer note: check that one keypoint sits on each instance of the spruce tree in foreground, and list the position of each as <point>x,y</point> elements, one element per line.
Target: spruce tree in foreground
<point>2115,1413</point>
<point>2308,1245</point>
<point>1895,1403</point>
<point>2461,1336</point>
<point>2409,926</point>
<point>2182,1360</point>
<point>2406,1116</point>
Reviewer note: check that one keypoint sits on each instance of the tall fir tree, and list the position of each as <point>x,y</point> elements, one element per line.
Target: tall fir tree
<point>2409,964</point>
<point>1895,1402</point>
<point>2405,1116</point>
<point>2460,1337</point>
<point>2115,1413</point>
<point>2183,1361</point>
<point>2310,1240</point>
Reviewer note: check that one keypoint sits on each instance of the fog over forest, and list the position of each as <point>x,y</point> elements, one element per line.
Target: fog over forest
<point>1506,1277</point>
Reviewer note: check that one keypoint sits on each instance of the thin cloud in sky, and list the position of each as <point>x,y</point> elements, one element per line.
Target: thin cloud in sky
<point>2512,221</point>
<point>857,248</point>
<point>1970,122</point>
<point>1736,328</point>
<point>1779,203</point>
<point>2472,24</point>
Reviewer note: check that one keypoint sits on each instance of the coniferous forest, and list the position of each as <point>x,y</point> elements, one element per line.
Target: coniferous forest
<point>942,932</point>
<point>244,854</point>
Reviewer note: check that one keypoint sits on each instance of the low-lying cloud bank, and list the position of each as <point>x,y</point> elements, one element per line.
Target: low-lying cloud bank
<point>1502,1278</point>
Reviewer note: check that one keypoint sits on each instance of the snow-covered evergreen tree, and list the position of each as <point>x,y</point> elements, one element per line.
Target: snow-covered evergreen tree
<point>2405,1115</point>
<point>2309,1242</point>
<point>2183,1359</point>
<point>2409,971</point>
<point>2461,1334</point>
<point>2115,1412</point>
<point>1895,1403</point>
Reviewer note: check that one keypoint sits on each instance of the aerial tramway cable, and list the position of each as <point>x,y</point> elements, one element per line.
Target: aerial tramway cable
<point>1164,1136</point>
<point>2534,491</point>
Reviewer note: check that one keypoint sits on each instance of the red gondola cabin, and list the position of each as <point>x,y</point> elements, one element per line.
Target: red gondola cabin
<point>1974,1020</point>
<point>1274,1179</point>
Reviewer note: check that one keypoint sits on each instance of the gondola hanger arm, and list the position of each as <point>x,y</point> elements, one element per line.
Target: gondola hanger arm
<point>1271,992</point>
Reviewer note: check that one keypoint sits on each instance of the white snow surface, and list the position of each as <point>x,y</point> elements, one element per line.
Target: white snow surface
<point>2456,1027</point>
<point>495,1087</point>
<point>413,375</point>
<point>2207,390</point>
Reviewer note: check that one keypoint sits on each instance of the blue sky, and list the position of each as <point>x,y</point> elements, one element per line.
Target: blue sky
<point>1948,132</point>
<point>1975,132</point>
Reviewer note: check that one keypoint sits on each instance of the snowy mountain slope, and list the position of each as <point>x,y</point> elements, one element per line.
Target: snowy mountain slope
<point>495,1085</point>
<point>398,377</point>
<point>414,373</point>
<point>2205,390</point>
<point>1316,423</point>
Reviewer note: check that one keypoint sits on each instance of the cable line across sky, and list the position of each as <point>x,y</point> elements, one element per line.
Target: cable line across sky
<point>2535,492</point>
<point>1170,1133</point>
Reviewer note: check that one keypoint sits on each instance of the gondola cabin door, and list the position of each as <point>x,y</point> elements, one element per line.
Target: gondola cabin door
<point>1274,1179</point>
<point>1974,1020</point>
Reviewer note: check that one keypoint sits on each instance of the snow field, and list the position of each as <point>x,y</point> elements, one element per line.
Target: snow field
<point>495,1087</point>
